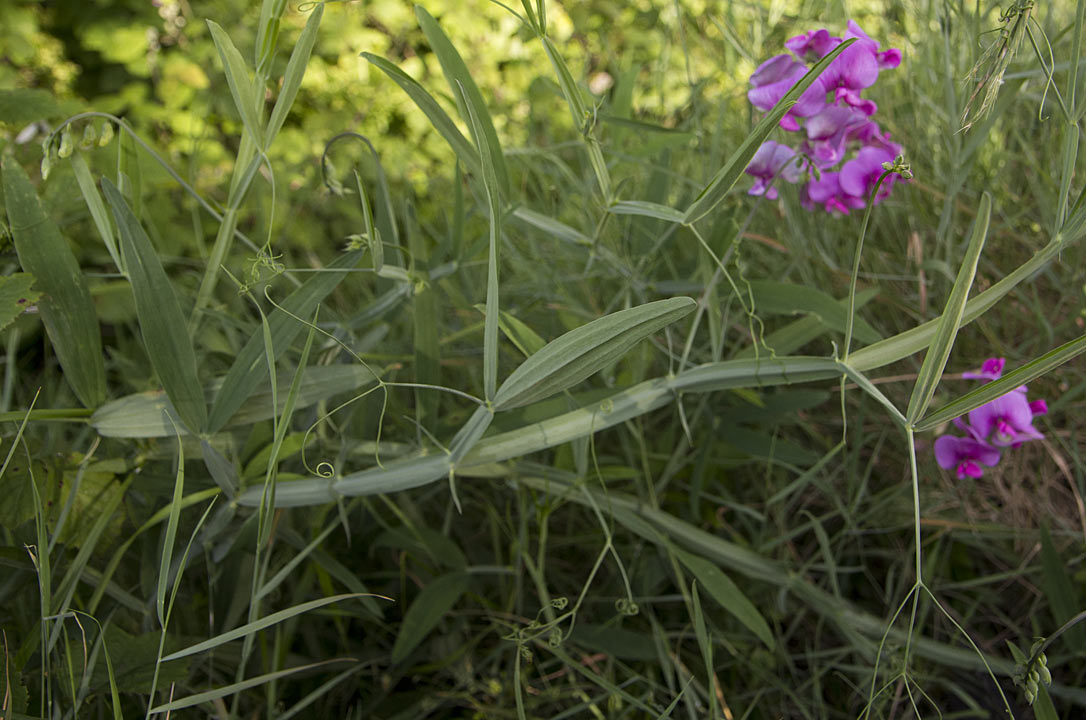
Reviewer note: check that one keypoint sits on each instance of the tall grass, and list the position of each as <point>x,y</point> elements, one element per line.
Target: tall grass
<point>579,430</point>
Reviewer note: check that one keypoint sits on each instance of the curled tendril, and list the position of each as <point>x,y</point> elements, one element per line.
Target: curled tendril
<point>325,469</point>
<point>627,607</point>
<point>555,638</point>
<point>560,603</point>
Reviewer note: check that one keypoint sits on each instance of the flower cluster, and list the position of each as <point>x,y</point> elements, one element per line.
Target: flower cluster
<point>832,121</point>
<point>1006,421</point>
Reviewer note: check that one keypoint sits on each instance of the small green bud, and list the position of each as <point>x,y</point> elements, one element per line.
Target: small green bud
<point>107,134</point>
<point>46,165</point>
<point>66,144</point>
<point>1046,675</point>
<point>1030,697</point>
<point>89,136</point>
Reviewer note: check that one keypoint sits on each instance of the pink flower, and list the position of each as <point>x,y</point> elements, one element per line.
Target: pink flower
<point>773,79</point>
<point>771,161</point>
<point>965,453</point>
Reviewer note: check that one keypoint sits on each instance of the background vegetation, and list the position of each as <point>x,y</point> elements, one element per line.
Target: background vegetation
<point>724,529</point>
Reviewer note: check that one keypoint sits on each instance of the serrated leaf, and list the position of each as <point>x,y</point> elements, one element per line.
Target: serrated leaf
<point>162,324</point>
<point>571,358</point>
<point>66,306</point>
<point>16,296</point>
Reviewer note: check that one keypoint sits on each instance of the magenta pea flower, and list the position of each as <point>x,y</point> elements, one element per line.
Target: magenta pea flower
<point>966,454</point>
<point>826,192</point>
<point>886,60</point>
<point>771,161</point>
<point>1008,420</point>
<point>991,369</point>
<point>773,79</point>
<point>859,175</point>
<point>813,45</point>
<point>828,131</point>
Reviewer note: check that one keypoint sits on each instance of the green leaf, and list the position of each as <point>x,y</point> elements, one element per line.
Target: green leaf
<point>571,358</point>
<point>646,209</point>
<point>97,208</point>
<point>429,106</point>
<point>785,298</point>
<point>997,388</point>
<point>162,325</point>
<point>250,366</point>
<point>796,334</point>
<point>234,688</point>
<point>239,80</point>
<point>258,625</point>
<point>727,594</point>
<point>939,351</point>
<point>426,612</point>
<point>523,337</point>
<point>66,306</point>
<point>728,175</point>
<point>489,154</point>
<point>292,76</point>
<point>552,227</point>
<point>15,296</point>
<point>171,535</point>
<point>1062,598</point>
<point>148,414</point>
<point>468,98</point>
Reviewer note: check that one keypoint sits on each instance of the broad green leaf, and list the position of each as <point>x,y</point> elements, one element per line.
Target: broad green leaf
<point>728,175</point>
<point>258,625</point>
<point>997,388</point>
<point>571,358</point>
<point>22,106</point>
<point>148,414</point>
<point>468,98</point>
<point>66,308</point>
<point>162,325</point>
<point>292,76</point>
<point>646,209</point>
<point>796,334</point>
<point>16,296</point>
<point>469,435</point>
<point>250,367</point>
<point>234,688</point>
<point>426,612</point>
<point>429,106</point>
<point>785,298</point>
<point>727,594</point>
<point>939,351</point>
<point>239,80</point>
<point>756,373</point>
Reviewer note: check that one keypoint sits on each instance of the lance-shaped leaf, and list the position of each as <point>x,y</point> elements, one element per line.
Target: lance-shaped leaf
<point>66,308</point>
<point>720,185</point>
<point>469,100</point>
<point>571,358</point>
<point>939,350</point>
<point>250,366</point>
<point>998,388</point>
<point>162,324</point>
<point>239,80</point>
<point>727,594</point>
<point>430,107</point>
<point>292,77</point>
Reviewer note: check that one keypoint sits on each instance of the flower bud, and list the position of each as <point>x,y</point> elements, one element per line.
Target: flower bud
<point>107,134</point>
<point>65,144</point>
<point>46,165</point>
<point>89,136</point>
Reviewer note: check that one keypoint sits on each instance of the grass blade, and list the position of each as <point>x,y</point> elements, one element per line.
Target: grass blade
<point>67,310</point>
<point>227,691</point>
<point>997,388</point>
<point>258,625</point>
<point>939,351</point>
<point>162,324</point>
<point>728,175</point>
<point>576,355</point>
